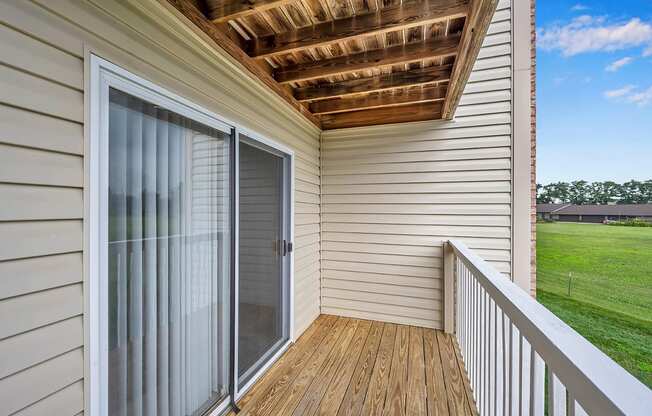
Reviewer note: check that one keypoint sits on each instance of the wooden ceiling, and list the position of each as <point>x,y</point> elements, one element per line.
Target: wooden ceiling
<point>350,63</point>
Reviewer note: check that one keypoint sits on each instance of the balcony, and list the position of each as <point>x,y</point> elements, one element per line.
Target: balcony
<point>507,355</point>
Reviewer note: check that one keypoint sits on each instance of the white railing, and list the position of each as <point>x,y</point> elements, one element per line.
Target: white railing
<point>511,344</point>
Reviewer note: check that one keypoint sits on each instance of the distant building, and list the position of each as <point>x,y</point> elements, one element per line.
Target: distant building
<point>593,213</point>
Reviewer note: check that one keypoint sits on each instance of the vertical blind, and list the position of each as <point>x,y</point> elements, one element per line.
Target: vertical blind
<point>169,261</point>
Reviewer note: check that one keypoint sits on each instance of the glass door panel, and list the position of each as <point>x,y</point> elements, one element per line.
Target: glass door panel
<point>263,275</point>
<point>169,242</point>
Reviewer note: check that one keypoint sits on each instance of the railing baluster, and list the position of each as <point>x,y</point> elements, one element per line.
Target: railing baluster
<point>476,342</point>
<point>466,313</point>
<point>463,316</point>
<point>511,368</point>
<point>483,350</point>
<point>485,344</point>
<point>506,366</point>
<point>536,383</point>
<point>526,386</point>
<point>471,339</point>
<point>570,404</point>
<point>556,395</point>
<point>458,304</point>
<point>481,359</point>
<point>520,373</point>
<point>551,400</point>
<point>495,372</point>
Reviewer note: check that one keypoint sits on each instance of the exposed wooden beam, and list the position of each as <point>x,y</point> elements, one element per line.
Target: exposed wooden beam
<point>475,30</point>
<point>377,58</point>
<point>420,76</point>
<point>383,115</point>
<point>386,20</point>
<point>222,40</point>
<point>401,97</point>
<point>223,10</point>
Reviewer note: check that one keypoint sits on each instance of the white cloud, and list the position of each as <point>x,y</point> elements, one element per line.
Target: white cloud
<point>620,92</point>
<point>642,98</point>
<point>616,65</point>
<point>647,52</point>
<point>591,34</point>
<point>579,7</point>
<point>631,94</point>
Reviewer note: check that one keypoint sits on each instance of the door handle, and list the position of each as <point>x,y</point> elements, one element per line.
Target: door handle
<point>287,247</point>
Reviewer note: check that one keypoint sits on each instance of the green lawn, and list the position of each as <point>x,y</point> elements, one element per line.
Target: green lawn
<point>610,299</point>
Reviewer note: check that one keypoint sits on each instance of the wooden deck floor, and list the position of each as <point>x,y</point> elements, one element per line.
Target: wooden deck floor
<point>342,366</point>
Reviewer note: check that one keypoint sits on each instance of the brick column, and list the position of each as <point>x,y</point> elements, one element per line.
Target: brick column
<point>533,141</point>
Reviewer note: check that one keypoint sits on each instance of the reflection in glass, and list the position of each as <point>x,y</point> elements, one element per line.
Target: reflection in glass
<point>169,252</point>
<point>261,313</point>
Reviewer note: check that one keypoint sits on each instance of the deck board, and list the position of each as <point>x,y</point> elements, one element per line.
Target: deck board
<point>357,389</point>
<point>457,401</point>
<point>375,400</point>
<point>344,366</point>
<point>397,388</point>
<point>416,393</point>
<point>435,387</point>
<point>300,385</point>
<point>336,390</point>
<point>313,396</point>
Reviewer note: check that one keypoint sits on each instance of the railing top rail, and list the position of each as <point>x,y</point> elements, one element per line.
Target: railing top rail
<point>598,383</point>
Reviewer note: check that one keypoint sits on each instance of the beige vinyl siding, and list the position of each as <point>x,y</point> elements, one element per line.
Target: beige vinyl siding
<point>42,174</point>
<point>392,194</point>
<point>41,234</point>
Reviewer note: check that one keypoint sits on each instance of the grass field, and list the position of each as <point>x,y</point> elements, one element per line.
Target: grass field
<point>610,300</point>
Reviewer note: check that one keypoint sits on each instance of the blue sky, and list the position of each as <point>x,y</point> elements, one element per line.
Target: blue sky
<point>594,90</point>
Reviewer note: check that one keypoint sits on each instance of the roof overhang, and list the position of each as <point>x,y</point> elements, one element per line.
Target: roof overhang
<point>351,63</point>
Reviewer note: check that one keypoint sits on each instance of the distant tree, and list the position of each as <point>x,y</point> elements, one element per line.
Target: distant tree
<point>578,192</point>
<point>558,192</point>
<point>630,193</point>
<point>603,193</point>
<point>581,192</point>
<point>542,195</point>
<point>646,190</point>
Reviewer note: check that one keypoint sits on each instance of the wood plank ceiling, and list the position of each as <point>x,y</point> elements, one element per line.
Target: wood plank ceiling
<point>350,63</point>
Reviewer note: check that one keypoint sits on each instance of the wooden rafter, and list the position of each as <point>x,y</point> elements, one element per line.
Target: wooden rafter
<point>383,115</point>
<point>378,58</point>
<point>222,40</point>
<point>342,67</point>
<point>414,95</point>
<point>475,29</point>
<point>420,76</point>
<point>386,20</point>
<point>223,10</point>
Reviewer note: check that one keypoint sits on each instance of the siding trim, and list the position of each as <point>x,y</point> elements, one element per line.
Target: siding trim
<point>521,155</point>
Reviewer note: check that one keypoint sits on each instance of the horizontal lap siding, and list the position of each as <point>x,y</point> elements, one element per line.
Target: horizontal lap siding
<point>392,195</point>
<point>42,180</point>
<point>41,227</point>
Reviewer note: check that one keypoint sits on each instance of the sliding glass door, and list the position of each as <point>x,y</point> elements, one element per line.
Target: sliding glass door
<point>169,227</point>
<point>263,293</point>
<point>190,252</point>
